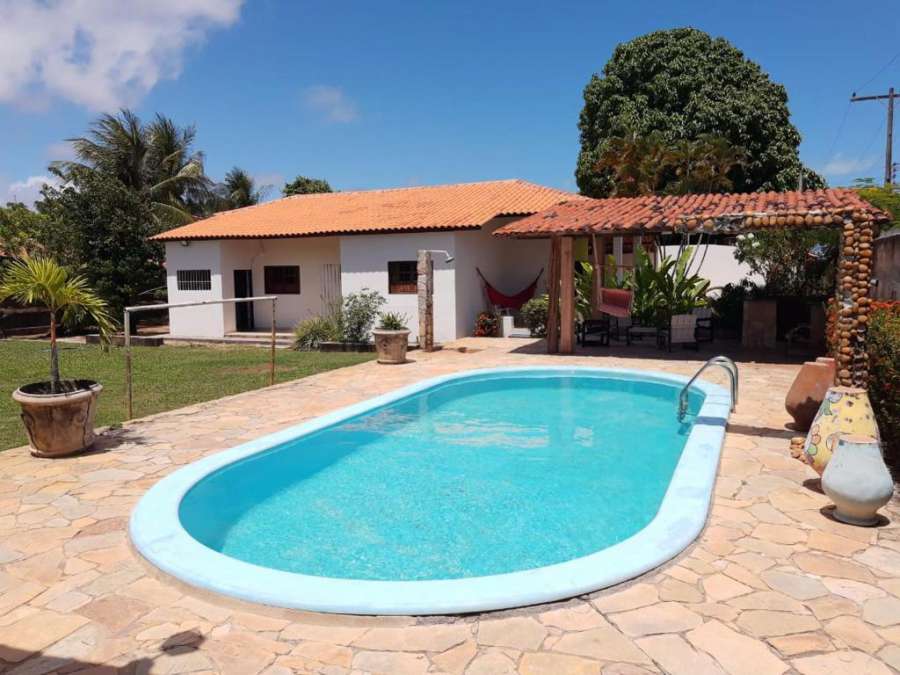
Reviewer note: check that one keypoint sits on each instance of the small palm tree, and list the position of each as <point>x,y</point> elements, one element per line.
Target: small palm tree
<point>239,189</point>
<point>41,281</point>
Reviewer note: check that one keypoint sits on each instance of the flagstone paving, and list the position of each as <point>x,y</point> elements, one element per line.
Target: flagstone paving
<point>772,586</point>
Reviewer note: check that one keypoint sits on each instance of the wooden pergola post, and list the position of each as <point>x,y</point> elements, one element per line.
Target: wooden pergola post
<point>553,297</point>
<point>425,291</point>
<point>567,296</point>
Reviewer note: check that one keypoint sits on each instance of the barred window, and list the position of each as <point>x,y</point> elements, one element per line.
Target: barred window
<point>402,276</point>
<point>282,279</point>
<point>194,280</point>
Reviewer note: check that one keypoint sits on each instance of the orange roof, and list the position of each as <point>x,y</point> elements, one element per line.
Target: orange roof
<point>437,207</point>
<point>630,215</point>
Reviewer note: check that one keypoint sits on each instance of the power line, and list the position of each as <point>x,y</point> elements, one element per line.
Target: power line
<point>889,145</point>
<point>876,75</point>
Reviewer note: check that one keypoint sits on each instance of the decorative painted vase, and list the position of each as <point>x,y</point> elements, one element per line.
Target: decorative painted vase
<point>857,480</point>
<point>845,410</point>
<point>808,391</point>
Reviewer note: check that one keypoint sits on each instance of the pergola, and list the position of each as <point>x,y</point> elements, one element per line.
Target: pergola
<point>604,219</point>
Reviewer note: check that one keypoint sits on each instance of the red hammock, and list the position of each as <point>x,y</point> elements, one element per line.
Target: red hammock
<point>513,302</point>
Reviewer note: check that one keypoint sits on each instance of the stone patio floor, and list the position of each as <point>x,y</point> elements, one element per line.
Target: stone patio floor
<point>772,585</point>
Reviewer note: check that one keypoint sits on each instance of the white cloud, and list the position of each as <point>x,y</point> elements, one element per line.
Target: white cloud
<point>29,190</point>
<point>101,54</point>
<point>331,102</point>
<point>845,166</point>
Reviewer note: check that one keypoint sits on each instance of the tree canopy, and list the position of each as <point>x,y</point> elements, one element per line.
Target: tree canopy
<point>239,189</point>
<point>302,185</point>
<point>682,84</point>
<point>20,229</point>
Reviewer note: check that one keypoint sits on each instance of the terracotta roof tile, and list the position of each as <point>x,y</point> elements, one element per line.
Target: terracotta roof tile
<point>626,215</point>
<point>438,207</point>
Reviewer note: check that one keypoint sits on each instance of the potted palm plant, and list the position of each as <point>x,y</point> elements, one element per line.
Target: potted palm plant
<point>391,338</point>
<point>58,414</point>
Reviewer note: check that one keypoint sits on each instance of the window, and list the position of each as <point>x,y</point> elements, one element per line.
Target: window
<point>402,276</point>
<point>193,280</point>
<point>282,280</point>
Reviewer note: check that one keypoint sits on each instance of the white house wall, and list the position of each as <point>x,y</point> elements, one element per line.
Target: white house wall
<point>719,266</point>
<point>311,254</point>
<point>204,321</point>
<point>509,264</point>
<point>364,264</point>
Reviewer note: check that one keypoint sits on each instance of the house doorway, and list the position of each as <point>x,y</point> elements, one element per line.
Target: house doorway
<point>243,311</point>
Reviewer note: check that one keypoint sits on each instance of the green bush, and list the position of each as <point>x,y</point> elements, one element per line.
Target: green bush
<point>534,314</point>
<point>359,313</point>
<point>883,343</point>
<point>309,333</point>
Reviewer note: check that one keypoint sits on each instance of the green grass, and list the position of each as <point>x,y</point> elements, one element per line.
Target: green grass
<point>165,378</point>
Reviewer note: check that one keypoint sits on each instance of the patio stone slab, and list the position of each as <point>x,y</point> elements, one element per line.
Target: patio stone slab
<point>773,583</point>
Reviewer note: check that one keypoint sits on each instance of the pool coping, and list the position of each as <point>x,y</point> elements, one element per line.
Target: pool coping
<point>156,531</point>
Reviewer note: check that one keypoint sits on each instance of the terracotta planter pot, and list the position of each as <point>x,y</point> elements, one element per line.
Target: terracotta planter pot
<point>845,410</point>
<point>857,480</point>
<point>59,424</point>
<point>391,345</point>
<point>808,391</point>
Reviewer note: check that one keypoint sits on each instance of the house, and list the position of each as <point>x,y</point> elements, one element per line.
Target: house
<point>309,250</point>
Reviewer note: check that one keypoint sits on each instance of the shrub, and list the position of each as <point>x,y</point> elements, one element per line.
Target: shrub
<point>309,333</point>
<point>486,325</point>
<point>534,314</point>
<point>393,321</point>
<point>359,313</point>
<point>883,344</point>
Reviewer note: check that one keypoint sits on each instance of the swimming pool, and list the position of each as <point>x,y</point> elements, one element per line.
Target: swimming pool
<point>483,490</point>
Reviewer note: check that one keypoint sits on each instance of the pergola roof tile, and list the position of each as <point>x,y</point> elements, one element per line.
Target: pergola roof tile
<point>637,215</point>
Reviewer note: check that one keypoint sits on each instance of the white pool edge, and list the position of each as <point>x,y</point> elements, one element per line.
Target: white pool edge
<point>157,534</point>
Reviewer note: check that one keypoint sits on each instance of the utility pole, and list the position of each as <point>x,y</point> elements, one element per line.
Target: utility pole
<point>888,158</point>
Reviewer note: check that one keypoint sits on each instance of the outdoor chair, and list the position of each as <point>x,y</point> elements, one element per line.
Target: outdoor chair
<point>681,330</point>
<point>616,303</point>
<point>595,331</point>
<point>705,330</point>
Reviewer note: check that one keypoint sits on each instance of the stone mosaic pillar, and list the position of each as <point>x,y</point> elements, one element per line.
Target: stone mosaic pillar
<point>854,274</point>
<point>425,290</point>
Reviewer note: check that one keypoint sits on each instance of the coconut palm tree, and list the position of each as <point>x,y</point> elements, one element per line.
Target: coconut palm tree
<point>69,300</point>
<point>155,159</point>
<point>239,189</point>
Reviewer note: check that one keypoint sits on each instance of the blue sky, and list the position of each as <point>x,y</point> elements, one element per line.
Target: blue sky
<point>380,94</point>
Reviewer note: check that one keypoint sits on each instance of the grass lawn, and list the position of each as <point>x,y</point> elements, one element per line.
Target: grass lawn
<point>165,378</point>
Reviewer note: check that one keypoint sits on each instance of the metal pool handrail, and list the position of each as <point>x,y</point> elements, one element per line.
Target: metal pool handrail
<point>727,365</point>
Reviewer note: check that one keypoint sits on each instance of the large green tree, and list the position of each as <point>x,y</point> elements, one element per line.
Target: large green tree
<point>302,185</point>
<point>99,228</point>
<point>684,84</point>
<point>20,229</point>
<point>156,160</point>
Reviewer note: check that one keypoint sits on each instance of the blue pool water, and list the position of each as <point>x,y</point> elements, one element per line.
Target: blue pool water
<point>474,477</point>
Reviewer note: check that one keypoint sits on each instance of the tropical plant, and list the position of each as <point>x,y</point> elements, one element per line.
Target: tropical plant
<point>666,288</point>
<point>302,185</point>
<point>359,312</point>
<point>393,321</point>
<point>883,345</point>
<point>156,160</point>
<point>682,84</point>
<point>534,314</point>
<point>68,299</point>
<point>239,189</point>
<point>584,289</point>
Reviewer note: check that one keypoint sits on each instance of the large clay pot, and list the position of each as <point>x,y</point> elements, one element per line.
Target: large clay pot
<point>391,345</point>
<point>59,424</point>
<point>857,480</point>
<point>808,391</point>
<point>845,410</point>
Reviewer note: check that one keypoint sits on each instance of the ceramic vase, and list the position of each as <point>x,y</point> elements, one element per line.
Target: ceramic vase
<point>808,391</point>
<point>857,480</point>
<point>845,410</point>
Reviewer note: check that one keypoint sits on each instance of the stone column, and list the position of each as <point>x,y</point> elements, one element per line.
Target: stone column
<point>854,273</point>
<point>425,290</point>
<point>553,297</point>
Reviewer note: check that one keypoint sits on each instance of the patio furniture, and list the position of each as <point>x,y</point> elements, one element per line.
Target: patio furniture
<point>633,333</point>
<point>616,303</point>
<point>705,330</point>
<point>681,330</point>
<point>595,327</point>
